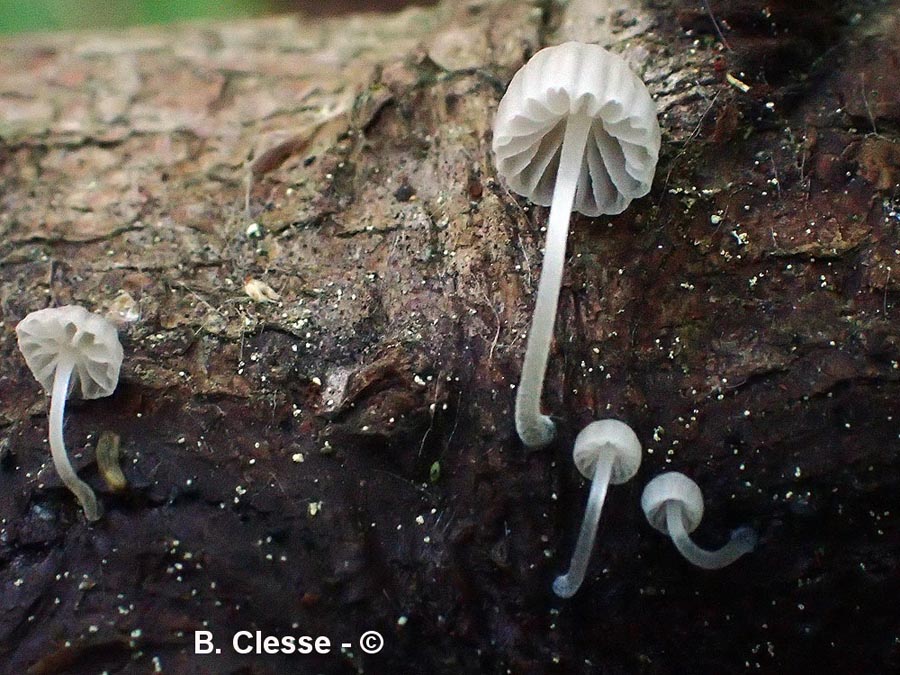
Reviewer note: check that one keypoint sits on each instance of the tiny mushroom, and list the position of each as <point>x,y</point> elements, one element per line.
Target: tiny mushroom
<point>673,504</point>
<point>575,130</point>
<point>607,451</point>
<point>65,347</point>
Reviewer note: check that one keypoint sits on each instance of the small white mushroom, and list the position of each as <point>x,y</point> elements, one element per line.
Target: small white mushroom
<point>575,130</point>
<point>66,347</point>
<point>607,451</point>
<point>673,504</point>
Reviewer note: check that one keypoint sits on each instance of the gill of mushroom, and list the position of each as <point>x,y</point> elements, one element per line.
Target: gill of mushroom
<point>606,452</point>
<point>673,504</point>
<point>69,347</point>
<point>575,130</point>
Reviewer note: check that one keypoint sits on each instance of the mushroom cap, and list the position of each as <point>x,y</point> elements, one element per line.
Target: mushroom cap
<point>622,147</point>
<point>612,434</point>
<point>48,336</point>
<point>672,486</point>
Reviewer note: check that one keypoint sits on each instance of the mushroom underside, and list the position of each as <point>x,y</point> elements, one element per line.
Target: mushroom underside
<point>610,175</point>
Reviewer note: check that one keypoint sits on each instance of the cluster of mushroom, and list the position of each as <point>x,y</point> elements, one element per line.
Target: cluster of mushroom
<point>608,451</point>
<point>577,130</point>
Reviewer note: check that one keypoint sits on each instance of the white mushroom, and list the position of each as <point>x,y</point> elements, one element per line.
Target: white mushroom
<point>576,129</point>
<point>607,451</point>
<point>67,347</point>
<point>673,504</point>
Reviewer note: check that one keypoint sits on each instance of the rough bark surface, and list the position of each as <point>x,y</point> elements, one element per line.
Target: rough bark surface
<point>334,452</point>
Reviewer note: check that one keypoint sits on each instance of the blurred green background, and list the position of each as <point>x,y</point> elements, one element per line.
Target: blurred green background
<point>32,15</point>
<point>18,16</point>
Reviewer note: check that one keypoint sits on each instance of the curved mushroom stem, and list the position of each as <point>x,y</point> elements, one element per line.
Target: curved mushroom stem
<point>566,585</point>
<point>537,430</point>
<point>743,540</point>
<point>58,447</point>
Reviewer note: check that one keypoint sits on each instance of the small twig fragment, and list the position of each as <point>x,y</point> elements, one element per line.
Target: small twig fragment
<point>108,461</point>
<point>260,291</point>
<point>736,83</point>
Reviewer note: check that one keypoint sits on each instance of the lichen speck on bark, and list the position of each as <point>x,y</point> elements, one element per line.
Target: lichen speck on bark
<point>323,292</point>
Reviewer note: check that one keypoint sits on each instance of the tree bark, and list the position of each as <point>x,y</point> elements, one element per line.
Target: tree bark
<point>323,291</point>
